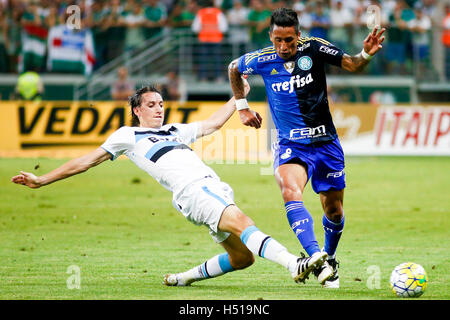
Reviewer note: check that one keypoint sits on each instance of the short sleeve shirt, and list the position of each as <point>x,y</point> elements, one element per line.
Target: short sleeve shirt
<point>163,153</point>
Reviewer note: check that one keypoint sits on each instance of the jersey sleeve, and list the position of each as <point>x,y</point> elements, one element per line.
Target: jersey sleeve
<point>248,63</point>
<point>187,133</point>
<point>118,142</point>
<point>328,52</point>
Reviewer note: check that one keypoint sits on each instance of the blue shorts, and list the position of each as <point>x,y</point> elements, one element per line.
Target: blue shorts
<point>323,161</point>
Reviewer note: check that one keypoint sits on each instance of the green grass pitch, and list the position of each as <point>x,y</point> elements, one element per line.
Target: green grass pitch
<point>118,226</point>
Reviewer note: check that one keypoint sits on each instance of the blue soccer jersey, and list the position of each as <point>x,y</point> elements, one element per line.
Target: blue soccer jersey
<point>297,88</point>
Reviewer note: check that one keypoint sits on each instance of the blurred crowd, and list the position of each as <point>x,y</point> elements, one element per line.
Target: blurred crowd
<point>121,25</point>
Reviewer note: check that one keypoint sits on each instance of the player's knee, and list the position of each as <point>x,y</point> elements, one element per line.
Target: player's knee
<point>244,222</point>
<point>291,193</point>
<point>236,221</point>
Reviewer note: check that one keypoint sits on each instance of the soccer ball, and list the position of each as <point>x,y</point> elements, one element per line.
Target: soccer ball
<point>408,279</point>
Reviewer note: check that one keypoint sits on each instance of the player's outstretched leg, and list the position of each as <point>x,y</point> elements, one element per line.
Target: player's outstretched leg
<point>214,267</point>
<point>237,257</point>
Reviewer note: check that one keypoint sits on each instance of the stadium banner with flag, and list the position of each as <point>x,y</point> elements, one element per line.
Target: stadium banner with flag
<point>70,50</point>
<point>34,48</point>
<point>67,129</point>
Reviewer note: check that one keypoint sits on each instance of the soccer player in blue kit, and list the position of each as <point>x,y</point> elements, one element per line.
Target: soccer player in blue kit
<point>307,145</point>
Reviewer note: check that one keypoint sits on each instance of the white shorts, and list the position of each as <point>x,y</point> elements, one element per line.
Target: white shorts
<point>203,203</point>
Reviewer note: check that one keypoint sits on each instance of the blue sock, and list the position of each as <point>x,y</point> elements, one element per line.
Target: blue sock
<point>333,232</point>
<point>301,223</point>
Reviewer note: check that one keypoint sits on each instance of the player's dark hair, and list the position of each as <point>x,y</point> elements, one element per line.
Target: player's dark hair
<point>284,17</point>
<point>136,99</point>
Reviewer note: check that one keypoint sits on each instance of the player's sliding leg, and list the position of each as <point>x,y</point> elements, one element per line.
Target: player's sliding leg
<point>214,267</point>
<point>237,257</point>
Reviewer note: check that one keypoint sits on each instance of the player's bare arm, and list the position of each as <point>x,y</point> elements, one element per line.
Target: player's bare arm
<point>248,117</point>
<point>372,44</point>
<point>70,168</point>
<point>236,81</point>
<point>218,118</point>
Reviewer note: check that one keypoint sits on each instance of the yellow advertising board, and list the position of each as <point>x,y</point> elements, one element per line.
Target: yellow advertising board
<point>67,129</point>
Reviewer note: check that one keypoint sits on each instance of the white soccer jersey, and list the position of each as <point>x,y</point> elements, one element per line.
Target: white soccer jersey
<point>163,153</point>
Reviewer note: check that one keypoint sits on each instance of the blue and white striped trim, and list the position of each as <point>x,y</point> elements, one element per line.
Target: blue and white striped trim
<point>204,271</point>
<point>157,146</point>
<point>292,205</point>
<point>247,233</point>
<point>263,247</point>
<point>161,148</point>
<point>215,196</point>
<point>224,263</point>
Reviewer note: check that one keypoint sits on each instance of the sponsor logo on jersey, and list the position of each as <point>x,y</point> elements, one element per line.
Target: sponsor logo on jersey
<point>262,53</point>
<point>305,63</point>
<point>294,81</point>
<point>303,47</point>
<point>158,139</point>
<point>303,133</point>
<point>289,66</point>
<point>274,71</point>
<point>328,50</point>
<point>336,174</point>
<point>267,58</point>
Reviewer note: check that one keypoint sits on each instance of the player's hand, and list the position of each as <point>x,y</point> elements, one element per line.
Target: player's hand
<point>372,44</point>
<point>27,179</point>
<point>250,118</point>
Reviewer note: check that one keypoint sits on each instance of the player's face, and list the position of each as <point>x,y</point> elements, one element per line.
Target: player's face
<point>151,110</point>
<point>284,40</point>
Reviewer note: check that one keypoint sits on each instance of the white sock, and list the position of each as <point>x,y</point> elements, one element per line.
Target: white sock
<point>214,267</point>
<point>266,247</point>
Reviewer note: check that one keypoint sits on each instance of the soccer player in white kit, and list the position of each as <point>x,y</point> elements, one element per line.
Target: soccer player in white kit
<point>198,193</point>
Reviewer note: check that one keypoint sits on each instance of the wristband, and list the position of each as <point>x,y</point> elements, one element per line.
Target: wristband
<point>365,55</point>
<point>241,104</point>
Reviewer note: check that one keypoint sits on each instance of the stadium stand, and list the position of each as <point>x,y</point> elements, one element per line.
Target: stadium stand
<point>91,39</point>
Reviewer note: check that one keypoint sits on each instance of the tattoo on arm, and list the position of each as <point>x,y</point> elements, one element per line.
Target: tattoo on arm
<point>354,63</point>
<point>237,85</point>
